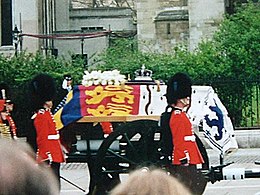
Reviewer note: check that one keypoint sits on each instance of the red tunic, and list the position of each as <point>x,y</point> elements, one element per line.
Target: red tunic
<point>183,139</point>
<point>106,127</point>
<point>47,137</point>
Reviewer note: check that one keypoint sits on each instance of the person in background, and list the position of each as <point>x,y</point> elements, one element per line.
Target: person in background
<point>7,125</point>
<point>152,182</point>
<point>19,172</point>
<point>186,155</point>
<point>66,88</point>
<point>49,151</point>
<point>67,82</point>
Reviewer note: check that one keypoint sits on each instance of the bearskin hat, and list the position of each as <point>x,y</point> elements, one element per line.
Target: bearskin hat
<point>42,89</point>
<point>178,87</point>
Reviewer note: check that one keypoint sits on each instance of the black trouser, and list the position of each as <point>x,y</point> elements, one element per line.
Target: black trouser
<point>56,170</point>
<point>99,184</point>
<point>190,177</point>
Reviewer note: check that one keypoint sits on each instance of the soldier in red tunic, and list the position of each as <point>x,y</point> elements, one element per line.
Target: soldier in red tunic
<point>7,124</point>
<point>186,155</point>
<point>48,139</point>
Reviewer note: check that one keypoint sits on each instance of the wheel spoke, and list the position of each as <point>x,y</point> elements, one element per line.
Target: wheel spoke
<point>121,157</point>
<point>130,146</point>
<point>116,171</point>
<point>128,141</point>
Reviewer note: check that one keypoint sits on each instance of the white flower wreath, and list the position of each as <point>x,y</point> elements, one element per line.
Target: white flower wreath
<point>102,78</point>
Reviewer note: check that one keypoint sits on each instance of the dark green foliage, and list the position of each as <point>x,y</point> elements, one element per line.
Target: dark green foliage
<point>17,73</point>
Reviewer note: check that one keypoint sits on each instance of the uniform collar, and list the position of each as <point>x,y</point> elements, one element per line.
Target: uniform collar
<point>177,108</point>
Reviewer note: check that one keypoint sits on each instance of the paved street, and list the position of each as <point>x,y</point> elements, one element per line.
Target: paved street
<point>242,158</point>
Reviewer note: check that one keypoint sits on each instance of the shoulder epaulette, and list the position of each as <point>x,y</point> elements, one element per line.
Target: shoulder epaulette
<point>34,116</point>
<point>41,111</point>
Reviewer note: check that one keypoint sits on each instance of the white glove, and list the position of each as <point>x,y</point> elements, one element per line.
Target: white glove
<point>49,157</point>
<point>186,160</point>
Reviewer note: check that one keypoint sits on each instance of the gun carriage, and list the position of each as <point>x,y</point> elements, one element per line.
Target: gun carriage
<point>138,139</point>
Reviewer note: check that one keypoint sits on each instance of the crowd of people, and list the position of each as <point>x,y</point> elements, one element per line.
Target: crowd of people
<point>24,171</point>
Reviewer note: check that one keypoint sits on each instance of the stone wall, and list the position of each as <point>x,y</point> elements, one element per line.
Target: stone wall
<point>172,28</point>
<point>116,19</point>
<point>146,11</point>
<point>162,25</point>
<point>204,19</point>
<point>28,11</point>
<point>62,15</point>
<point>97,19</point>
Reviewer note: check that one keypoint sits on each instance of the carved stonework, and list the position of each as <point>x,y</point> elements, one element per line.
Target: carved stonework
<point>102,3</point>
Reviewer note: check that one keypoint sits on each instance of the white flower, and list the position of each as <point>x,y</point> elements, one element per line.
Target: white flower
<point>103,82</point>
<point>110,82</point>
<point>86,77</point>
<point>116,82</point>
<point>86,72</point>
<point>102,78</point>
<point>84,82</point>
<point>89,83</point>
<point>96,82</point>
<point>95,74</point>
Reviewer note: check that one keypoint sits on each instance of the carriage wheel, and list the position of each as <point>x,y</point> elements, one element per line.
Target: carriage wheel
<point>133,145</point>
<point>130,146</point>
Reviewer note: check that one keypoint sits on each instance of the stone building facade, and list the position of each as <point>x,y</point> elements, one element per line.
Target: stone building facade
<point>159,25</point>
<point>162,25</point>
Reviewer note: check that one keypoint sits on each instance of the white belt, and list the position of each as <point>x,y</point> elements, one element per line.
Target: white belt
<point>190,138</point>
<point>54,137</point>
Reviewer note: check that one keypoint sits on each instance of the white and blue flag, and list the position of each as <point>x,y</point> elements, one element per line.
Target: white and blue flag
<point>208,111</point>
